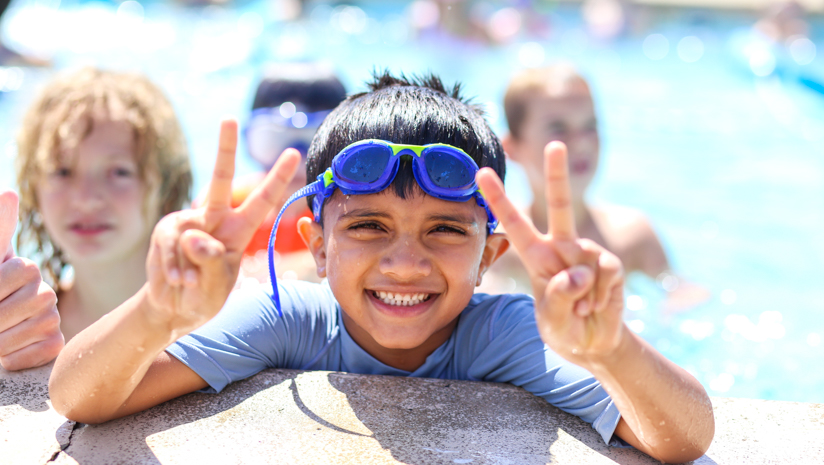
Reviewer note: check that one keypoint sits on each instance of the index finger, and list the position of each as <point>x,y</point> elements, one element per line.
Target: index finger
<point>270,193</point>
<point>219,196</point>
<point>558,193</point>
<point>519,229</point>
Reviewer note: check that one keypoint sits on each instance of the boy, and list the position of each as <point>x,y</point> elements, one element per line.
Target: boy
<point>555,103</point>
<point>401,263</point>
<point>290,102</point>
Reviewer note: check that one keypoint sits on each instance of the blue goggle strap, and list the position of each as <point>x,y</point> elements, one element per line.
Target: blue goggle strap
<point>316,188</point>
<point>492,221</point>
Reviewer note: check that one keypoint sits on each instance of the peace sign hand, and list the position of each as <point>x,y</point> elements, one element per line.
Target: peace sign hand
<point>195,255</point>
<point>577,284</point>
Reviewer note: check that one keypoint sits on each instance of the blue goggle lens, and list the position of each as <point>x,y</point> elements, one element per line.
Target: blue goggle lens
<point>366,165</point>
<point>447,171</point>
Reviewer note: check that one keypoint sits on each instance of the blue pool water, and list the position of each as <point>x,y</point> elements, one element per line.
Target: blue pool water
<point>729,166</point>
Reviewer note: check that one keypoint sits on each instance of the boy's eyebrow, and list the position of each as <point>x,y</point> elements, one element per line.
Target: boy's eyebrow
<point>453,218</point>
<point>365,213</point>
<point>373,213</point>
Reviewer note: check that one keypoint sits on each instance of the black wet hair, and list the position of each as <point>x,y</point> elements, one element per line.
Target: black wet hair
<point>310,86</point>
<point>415,111</point>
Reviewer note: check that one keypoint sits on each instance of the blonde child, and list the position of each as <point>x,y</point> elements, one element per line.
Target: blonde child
<point>101,158</point>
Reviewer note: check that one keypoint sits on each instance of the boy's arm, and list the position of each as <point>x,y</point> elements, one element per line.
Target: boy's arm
<point>117,366</point>
<point>29,323</point>
<point>578,287</point>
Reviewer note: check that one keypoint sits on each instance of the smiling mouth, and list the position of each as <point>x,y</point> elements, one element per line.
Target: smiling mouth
<point>401,300</point>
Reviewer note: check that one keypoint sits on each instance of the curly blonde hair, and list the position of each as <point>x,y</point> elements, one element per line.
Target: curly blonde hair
<point>74,101</point>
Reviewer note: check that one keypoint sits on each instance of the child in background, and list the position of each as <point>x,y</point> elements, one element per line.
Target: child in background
<point>101,158</point>
<point>290,102</point>
<point>555,103</point>
<point>403,236</point>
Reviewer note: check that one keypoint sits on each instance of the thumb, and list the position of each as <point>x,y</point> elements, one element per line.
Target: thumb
<point>567,290</point>
<point>209,256</point>
<point>201,248</point>
<point>8,223</point>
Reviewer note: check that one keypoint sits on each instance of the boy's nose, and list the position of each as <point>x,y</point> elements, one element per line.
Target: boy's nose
<point>405,260</point>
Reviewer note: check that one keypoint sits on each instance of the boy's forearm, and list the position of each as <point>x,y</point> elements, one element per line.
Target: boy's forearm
<point>666,408</point>
<point>99,368</point>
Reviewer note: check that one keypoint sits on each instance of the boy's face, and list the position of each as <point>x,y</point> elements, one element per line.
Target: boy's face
<point>92,201</point>
<point>402,269</point>
<point>569,117</point>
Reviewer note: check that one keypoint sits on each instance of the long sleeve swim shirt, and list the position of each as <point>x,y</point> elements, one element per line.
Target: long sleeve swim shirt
<point>496,339</point>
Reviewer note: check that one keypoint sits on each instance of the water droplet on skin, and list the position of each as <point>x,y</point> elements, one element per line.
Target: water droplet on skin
<point>662,424</point>
<point>80,355</point>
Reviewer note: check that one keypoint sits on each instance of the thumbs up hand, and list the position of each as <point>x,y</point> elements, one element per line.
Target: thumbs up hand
<point>29,323</point>
<point>8,223</point>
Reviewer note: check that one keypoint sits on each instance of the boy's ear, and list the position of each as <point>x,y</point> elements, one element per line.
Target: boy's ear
<point>312,235</point>
<point>496,245</point>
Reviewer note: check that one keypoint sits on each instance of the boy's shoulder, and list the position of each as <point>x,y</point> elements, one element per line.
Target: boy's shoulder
<point>298,299</point>
<point>498,313</point>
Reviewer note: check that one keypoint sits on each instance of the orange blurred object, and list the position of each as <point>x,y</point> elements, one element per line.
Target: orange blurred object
<point>288,239</point>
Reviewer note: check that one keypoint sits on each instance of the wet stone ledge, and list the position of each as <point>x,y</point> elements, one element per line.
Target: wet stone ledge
<point>294,417</point>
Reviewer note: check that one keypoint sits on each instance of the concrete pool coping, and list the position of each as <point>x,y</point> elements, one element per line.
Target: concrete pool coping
<point>301,417</point>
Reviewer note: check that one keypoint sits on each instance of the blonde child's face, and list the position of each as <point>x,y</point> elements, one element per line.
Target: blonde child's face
<point>426,252</point>
<point>568,117</point>
<point>92,201</point>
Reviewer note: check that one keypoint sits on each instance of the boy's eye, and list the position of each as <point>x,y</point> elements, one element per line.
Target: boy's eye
<point>447,229</point>
<point>366,225</point>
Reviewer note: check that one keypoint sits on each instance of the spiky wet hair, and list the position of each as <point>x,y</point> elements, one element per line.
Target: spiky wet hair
<point>415,110</point>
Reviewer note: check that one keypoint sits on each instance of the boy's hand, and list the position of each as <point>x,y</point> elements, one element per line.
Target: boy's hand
<point>29,323</point>
<point>578,285</point>
<point>195,254</point>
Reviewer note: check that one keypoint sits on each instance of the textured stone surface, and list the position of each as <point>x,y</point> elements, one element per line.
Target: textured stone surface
<point>30,430</point>
<point>284,416</point>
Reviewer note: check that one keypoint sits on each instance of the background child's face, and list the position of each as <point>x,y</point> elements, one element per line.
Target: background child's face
<point>92,202</point>
<point>570,118</point>
<point>426,251</point>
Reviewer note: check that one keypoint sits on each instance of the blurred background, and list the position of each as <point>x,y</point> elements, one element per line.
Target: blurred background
<point>711,114</point>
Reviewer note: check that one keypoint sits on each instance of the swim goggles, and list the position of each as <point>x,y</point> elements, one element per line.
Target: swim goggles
<point>270,131</point>
<point>369,166</point>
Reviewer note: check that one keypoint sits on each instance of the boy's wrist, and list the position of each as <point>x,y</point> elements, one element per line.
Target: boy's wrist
<point>162,326</point>
<point>626,349</point>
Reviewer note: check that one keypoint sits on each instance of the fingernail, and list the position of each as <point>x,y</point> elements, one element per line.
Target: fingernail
<point>578,275</point>
<point>174,275</point>
<point>191,277</point>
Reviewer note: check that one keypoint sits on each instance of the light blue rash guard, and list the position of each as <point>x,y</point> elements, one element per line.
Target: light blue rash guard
<point>496,340</point>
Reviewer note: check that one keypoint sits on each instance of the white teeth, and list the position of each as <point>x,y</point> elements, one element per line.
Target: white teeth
<point>403,300</point>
